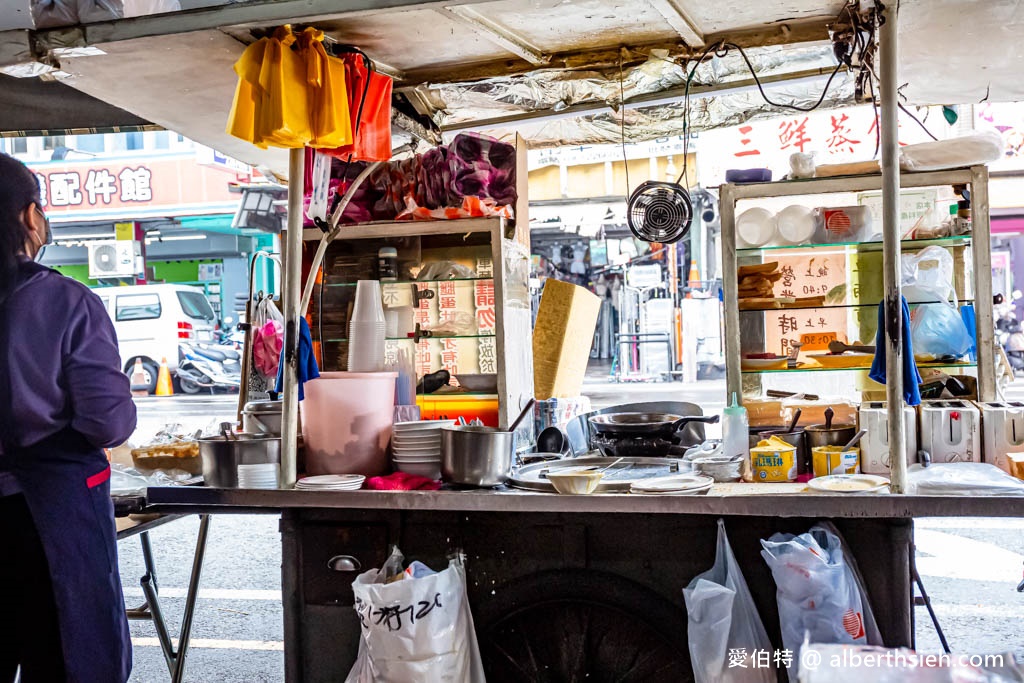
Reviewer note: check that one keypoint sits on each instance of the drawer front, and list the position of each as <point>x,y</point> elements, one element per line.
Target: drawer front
<point>333,556</point>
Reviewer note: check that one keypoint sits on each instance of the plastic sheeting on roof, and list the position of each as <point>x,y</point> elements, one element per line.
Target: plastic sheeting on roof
<point>556,90</point>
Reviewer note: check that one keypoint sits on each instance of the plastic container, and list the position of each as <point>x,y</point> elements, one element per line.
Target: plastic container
<point>346,422</point>
<point>735,431</point>
<point>756,227</point>
<point>842,224</point>
<point>795,224</point>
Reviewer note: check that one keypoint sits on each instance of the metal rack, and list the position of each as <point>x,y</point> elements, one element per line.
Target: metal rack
<point>976,177</point>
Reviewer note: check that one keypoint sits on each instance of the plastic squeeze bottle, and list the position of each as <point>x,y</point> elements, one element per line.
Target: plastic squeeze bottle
<point>735,431</point>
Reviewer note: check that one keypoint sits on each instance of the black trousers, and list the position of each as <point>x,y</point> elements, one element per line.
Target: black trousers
<point>29,632</point>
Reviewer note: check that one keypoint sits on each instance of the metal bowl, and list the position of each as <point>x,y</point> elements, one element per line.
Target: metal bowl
<point>481,384</point>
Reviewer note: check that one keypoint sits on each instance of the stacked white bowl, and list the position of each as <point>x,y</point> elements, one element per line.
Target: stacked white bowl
<point>331,482</point>
<point>259,476</point>
<point>416,447</point>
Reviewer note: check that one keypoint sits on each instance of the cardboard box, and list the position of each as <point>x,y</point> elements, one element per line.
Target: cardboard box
<point>562,339</point>
<point>1015,461</point>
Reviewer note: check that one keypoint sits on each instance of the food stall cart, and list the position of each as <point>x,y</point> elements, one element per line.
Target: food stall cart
<point>536,561</point>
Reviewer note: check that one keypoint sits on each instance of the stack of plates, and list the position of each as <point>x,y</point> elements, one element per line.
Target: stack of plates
<point>416,447</point>
<point>676,485</point>
<point>331,482</point>
<point>262,476</point>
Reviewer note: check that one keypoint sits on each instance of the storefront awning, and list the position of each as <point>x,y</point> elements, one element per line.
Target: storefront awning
<point>30,106</point>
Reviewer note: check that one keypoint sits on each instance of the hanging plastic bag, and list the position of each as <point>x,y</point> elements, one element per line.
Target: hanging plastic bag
<point>267,338</point>
<point>330,123</point>
<point>415,629</point>
<point>370,107</point>
<point>927,275</point>
<point>722,618</point>
<point>938,330</point>
<point>819,591</point>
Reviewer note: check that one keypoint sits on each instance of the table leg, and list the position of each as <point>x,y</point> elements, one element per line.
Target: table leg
<point>176,659</point>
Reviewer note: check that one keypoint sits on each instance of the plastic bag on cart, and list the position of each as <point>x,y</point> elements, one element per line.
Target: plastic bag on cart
<point>938,330</point>
<point>722,619</point>
<point>927,275</point>
<point>819,591</point>
<point>415,625</point>
<point>962,479</point>
<point>267,337</point>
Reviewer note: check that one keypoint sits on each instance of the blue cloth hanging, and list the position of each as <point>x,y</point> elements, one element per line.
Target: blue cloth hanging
<point>970,321</point>
<point>307,369</point>
<point>911,377</point>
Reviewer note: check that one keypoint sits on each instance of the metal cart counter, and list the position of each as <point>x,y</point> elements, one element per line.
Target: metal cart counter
<point>543,566</point>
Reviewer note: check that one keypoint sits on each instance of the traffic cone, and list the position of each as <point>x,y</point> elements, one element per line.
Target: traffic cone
<point>138,380</point>
<point>164,386</point>
<point>694,279</point>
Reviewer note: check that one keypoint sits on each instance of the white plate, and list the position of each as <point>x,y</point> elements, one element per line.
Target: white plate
<point>419,436</point>
<point>849,483</point>
<point>333,480</point>
<point>690,492</point>
<point>420,425</point>
<point>419,446</point>
<point>418,451</point>
<point>675,483</point>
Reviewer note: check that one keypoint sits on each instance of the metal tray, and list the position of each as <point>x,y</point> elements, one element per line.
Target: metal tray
<point>616,480</point>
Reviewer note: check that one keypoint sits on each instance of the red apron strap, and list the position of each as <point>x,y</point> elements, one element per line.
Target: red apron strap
<point>98,478</point>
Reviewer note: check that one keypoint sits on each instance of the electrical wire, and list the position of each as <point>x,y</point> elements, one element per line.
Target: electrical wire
<point>916,120</point>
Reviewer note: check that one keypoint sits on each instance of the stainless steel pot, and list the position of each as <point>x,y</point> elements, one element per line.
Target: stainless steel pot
<point>221,457</point>
<point>836,435</point>
<point>262,417</point>
<point>476,456</point>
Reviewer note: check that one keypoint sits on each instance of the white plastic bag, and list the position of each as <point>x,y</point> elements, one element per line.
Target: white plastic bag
<point>721,617</point>
<point>967,150</point>
<point>819,591</point>
<point>962,479</point>
<point>415,629</point>
<point>927,275</point>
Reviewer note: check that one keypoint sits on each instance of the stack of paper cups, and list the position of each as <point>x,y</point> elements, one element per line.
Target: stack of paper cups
<point>366,329</point>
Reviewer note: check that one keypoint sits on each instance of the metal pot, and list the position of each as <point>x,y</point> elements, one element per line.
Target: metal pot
<point>836,435</point>
<point>476,456</point>
<point>650,425</point>
<point>221,457</point>
<point>262,417</point>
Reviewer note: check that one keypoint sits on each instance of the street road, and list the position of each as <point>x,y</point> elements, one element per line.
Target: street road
<point>970,567</point>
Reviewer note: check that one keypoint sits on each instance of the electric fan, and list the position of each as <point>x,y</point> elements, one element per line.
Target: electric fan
<point>659,212</point>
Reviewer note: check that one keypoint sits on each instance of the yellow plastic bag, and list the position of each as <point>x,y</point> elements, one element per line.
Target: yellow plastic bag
<point>283,120</point>
<point>329,117</point>
<point>242,119</point>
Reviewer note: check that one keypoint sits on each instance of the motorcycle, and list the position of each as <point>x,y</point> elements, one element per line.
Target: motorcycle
<point>1009,333</point>
<point>208,366</point>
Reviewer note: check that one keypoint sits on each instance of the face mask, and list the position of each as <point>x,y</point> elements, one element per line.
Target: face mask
<point>49,234</point>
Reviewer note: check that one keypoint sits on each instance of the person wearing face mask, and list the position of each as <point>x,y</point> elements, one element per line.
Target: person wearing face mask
<point>63,398</point>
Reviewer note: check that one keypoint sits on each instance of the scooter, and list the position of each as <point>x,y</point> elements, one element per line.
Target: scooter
<point>206,366</point>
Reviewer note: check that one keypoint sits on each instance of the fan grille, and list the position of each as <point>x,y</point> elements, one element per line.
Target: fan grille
<point>660,212</point>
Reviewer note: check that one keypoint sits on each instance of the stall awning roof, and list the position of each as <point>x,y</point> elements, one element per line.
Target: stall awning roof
<point>30,106</point>
<point>553,63</point>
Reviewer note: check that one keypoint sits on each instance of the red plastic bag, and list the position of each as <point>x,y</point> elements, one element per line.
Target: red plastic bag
<point>369,97</point>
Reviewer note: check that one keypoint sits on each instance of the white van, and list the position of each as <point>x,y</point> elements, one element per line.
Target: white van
<point>151,320</point>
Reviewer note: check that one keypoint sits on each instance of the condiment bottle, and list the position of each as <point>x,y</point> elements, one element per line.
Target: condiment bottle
<point>387,264</point>
<point>736,432</point>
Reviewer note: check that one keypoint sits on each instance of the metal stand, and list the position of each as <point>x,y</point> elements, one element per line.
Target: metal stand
<point>923,599</point>
<point>152,611</point>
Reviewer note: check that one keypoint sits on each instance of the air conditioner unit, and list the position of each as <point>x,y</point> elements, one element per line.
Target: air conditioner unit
<point>114,259</point>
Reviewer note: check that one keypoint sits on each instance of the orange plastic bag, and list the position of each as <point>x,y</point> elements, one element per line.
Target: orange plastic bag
<point>369,96</point>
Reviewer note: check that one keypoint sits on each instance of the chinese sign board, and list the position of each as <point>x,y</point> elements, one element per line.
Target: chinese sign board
<point>807,274</point>
<point>834,136</point>
<point>135,188</point>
